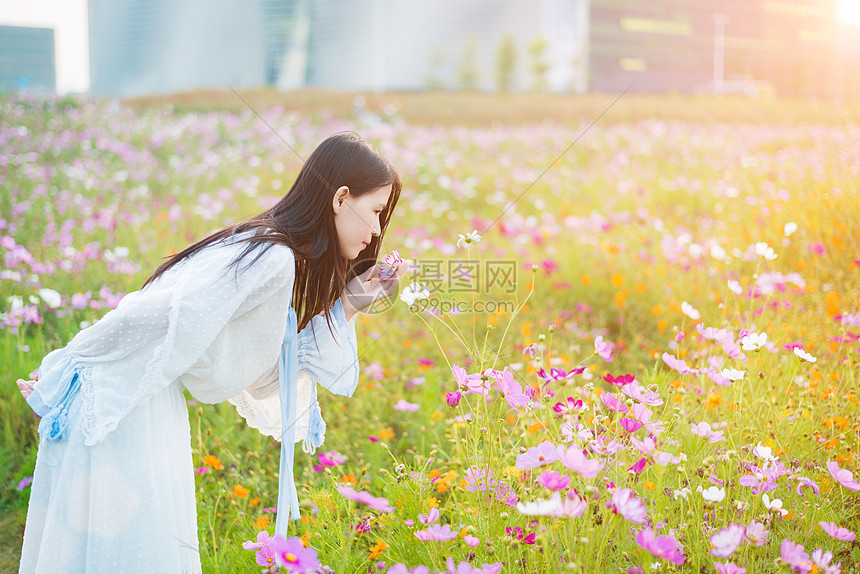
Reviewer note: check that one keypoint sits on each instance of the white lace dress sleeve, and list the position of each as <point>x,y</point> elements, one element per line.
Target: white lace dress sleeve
<point>330,359</point>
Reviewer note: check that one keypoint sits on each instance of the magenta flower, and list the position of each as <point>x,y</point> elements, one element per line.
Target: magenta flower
<point>794,556</point>
<point>601,347</point>
<point>380,504</point>
<point>570,405</point>
<point>573,458</point>
<point>430,517</point>
<point>552,480</point>
<point>803,482</point>
<point>517,532</point>
<point>266,556</point>
<point>729,568</point>
<point>664,547</point>
<point>630,425</point>
<point>436,532</point>
<point>453,399</point>
<point>624,503</point>
<point>837,532</point>
<point>539,455</point>
<point>25,482</point>
<point>292,555</point>
<point>726,541</point>
<point>842,476</point>
<point>332,458</point>
<point>638,466</point>
<point>620,381</point>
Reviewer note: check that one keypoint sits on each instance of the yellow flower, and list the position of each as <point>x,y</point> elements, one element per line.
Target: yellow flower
<point>213,461</point>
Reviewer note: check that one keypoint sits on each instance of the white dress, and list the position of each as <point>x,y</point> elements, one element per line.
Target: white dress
<point>113,489</point>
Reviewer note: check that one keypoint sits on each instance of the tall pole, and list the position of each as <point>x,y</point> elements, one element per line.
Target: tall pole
<point>719,51</point>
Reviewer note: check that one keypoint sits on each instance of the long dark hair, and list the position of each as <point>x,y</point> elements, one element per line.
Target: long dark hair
<point>303,220</point>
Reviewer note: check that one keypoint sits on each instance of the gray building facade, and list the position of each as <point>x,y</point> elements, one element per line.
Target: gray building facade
<point>27,59</point>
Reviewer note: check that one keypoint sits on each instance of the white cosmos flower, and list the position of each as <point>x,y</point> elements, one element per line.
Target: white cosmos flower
<point>712,494</point>
<point>789,228</point>
<point>774,505</point>
<point>690,311</point>
<point>683,493</point>
<point>762,249</point>
<point>472,237</point>
<point>735,287</point>
<point>414,292</point>
<point>764,452</point>
<point>803,355</point>
<point>541,507</point>
<point>753,341</point>
<point>51,297</point>
<point>733,374</point>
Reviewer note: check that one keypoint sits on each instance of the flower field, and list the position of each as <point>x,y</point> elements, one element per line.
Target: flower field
<point>630,351</point>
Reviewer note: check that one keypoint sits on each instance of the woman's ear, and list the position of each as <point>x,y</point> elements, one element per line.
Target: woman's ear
<point>339,197</point>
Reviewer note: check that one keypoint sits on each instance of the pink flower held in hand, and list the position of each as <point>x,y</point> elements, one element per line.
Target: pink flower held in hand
<point>837,532</point>
<point>665,547</point>
<point>726,541</point>
<point>380,504</point>
<point>601,347</point>
<point>436,532</point>
<point>842,476</point>
<point>624,503</point>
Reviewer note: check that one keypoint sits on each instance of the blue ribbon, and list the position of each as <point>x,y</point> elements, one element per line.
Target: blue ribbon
<point>288,375</point>
<point>57,388</point>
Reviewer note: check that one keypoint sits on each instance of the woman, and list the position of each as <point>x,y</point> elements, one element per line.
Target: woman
<point>113,488</point>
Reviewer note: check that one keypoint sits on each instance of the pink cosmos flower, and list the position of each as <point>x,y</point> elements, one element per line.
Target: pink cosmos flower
<point>665,547</point>
<point>461,377</point>
<point>471,541</point>
<point>638,466</point>
<point>453,399</point>
<point>380,504</point>
<point>822,560</point>
<point>602,348</point>
<point>620,381</point>
<point>643,414</point>
<point>803,482</point>
<point>402,405</point>
<point>756,533</point>
<point>624,503</point>
<point>794,556</point>
<point>266,556</point>
<point>539,455</point>
<point>630,425</point>
<point>430,517</point>
<point>570,405</point>
<point>571,506</point>
<point>703,429</point>
<point>639,393</point>
<point>726,541</point>
<point>677,364</point>
<point>718,378</point>
<point>837,532</point>
<point>331,458</point>
<point>292,554</point>
<point>552,480</point>
<point>436,532</point>
<point>511,390</point>
<point>615,404</point>
<point>262,540</point>
<point>842,476</point>
<point>729,568</point>
<point>573,458</point>
<point>690,311</point>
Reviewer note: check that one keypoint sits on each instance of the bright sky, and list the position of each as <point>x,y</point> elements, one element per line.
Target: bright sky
<point>68,18</point>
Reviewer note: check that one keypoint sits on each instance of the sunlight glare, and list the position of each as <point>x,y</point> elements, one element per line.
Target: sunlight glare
<point>848,11</point>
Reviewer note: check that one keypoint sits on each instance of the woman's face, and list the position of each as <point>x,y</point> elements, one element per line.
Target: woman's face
<point>357,218</point>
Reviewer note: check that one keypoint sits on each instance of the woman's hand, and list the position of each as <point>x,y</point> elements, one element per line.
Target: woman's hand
<point>366,288</point>
<point>26,387</point>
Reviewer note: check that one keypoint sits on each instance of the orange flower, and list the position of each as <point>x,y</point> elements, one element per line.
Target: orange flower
<point>254,502</point>
<point>714,400</point>
<point>213,461</point>
<point>386,433</point>
<point>240,491</point>
<point>349,478</point>
<point>262,523</point>
<point>617,279</point>
<point>377,549</point>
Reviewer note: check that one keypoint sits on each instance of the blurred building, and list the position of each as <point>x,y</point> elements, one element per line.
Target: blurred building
<point>791,47</point>
<point>27,59</point>
<point>156,46</point>
<point>794,47</point>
